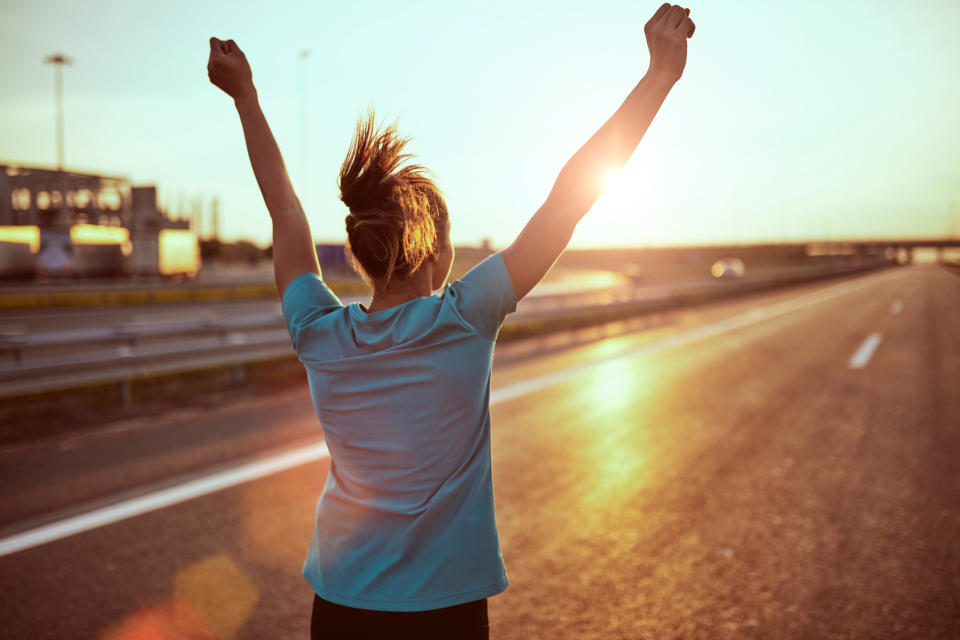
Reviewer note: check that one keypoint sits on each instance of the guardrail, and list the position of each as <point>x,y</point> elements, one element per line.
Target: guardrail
<point>132,360</point>
<point>89,371</point>
<point>132,335</point>
<point>534,323</point>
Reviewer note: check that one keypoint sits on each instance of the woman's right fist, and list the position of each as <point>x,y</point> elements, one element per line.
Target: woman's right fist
<point>228,68</point>
<point>667,32</point>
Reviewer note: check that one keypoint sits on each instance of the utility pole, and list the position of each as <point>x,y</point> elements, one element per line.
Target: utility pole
<point>955,225</point>
<point>215,211</point>
<point>302,116</point>
<point>196,215</point>
<point>181,210</point>
<point>58,60</point>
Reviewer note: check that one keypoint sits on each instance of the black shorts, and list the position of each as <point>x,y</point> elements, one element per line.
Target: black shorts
<point>467,621</point>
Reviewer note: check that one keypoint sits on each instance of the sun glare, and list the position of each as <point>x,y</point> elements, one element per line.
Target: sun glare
<point>631,204</point>
<point>613,179</point>
<point>620,191</point>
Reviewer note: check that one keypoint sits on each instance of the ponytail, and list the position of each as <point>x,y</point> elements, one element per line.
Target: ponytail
<point>397,213</point>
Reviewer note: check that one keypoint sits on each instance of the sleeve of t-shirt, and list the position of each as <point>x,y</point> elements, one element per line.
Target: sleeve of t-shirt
<point>484,296</point>
<point>306,298</point>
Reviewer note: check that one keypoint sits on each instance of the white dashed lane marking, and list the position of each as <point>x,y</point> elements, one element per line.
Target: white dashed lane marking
<point>862,356</point>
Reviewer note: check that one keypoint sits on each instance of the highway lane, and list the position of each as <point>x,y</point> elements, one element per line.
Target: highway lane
<point>755,487</point>
<point>747,484</point>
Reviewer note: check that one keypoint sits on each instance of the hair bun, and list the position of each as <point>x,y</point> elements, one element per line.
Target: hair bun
<point>396,211</point>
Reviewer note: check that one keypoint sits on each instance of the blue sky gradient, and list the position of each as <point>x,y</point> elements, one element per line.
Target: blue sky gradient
<point>792,121</point>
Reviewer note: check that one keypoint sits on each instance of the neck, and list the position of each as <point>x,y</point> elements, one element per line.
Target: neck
<point>400,291</point>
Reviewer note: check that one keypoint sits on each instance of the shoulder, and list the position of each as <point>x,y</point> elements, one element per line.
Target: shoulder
<point>306,298</point>
<point>483,296</point>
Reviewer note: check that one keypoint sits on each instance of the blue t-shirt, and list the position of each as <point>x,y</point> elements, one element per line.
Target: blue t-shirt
<point>405,521</point>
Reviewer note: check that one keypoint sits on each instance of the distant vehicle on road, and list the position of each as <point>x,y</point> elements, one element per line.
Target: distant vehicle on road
<point>728,268</point>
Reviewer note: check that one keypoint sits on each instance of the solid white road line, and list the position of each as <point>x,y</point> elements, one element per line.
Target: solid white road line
<point>862,355</point>
<point>310,453</point>
<point>163,498</point>
<point>896,307</point>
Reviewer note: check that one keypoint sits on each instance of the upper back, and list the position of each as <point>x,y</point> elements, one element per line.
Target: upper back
<point>404,388</point>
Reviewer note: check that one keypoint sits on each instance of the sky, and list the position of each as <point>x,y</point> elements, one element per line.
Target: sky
<point>793,121</point>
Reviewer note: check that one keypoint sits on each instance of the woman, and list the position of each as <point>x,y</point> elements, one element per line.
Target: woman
<point>405,542</point>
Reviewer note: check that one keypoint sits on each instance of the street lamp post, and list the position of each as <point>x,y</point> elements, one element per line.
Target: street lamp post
<point>302,115</point>
<point>58,60</point>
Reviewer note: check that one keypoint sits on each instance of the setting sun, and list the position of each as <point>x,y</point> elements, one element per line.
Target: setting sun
<point>612,179</point>
<point>632,205</point>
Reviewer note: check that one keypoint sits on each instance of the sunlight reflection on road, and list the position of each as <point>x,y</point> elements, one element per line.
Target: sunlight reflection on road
<point>618,452</point>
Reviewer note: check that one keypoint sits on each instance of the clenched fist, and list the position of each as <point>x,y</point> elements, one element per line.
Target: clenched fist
<point>228,68</point>
<point>667,32</point>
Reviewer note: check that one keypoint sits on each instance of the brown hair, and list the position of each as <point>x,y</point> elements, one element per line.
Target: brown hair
<point>397,213</point>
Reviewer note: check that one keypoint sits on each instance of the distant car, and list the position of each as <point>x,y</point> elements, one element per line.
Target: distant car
<point>728,268</point>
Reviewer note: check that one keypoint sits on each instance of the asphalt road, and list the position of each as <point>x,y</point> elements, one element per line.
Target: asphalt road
<point>780,466</point>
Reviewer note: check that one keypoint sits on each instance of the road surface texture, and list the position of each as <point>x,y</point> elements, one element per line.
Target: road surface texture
<point>780,466</point>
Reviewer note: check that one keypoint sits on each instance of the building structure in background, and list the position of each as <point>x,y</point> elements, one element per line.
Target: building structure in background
<point>66,223</point>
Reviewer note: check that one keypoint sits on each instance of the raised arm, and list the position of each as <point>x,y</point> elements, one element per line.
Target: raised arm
<point>293,249</point>
<point>580,182</point>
